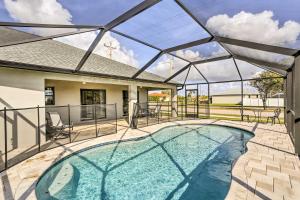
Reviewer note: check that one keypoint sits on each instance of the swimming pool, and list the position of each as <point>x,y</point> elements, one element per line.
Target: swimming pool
<point>177,162</point>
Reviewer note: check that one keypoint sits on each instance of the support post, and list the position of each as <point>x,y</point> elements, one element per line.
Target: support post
<point>69,120</point>
<point>158,113</point>
<point>96,122</point>
<point>181,110</point>
<point>132,98</point>
<point>285,100</point>
<point>38,128</point>
<point>208,94</point>
<point>116,113</point>
<point>197,100</point>
<point>169,110</point>
<point>289,105</point>
<point>174,102</point>
<point>242,100</point>
<point>296,103</point>
<point>5,137</point>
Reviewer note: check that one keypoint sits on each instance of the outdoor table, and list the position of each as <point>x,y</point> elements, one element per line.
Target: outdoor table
<point>257,114</point>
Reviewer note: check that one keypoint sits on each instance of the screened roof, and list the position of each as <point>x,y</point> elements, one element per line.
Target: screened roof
<point>165,41</point>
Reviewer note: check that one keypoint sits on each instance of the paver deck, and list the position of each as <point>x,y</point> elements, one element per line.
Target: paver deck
<point>268,170</point>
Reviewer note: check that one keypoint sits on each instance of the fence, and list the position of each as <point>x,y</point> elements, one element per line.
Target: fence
<point>250,113</point>
<point>274,102</point>
<point>28,131</point>
<point>151,113</point>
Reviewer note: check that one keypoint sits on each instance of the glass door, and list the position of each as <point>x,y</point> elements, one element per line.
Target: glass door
<point>89,98</point>
<point>125,102</point>
<point>191,103</point>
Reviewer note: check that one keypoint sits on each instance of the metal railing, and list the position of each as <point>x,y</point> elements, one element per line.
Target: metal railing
<point>151,113</point>
<point>28,131</point>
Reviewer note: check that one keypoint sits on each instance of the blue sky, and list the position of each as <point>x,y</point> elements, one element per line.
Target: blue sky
<point>284,9</point>
<point>165,24</point>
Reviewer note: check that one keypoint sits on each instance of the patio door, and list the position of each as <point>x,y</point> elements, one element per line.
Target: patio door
<point>191,103</point>
<point>89,98</point>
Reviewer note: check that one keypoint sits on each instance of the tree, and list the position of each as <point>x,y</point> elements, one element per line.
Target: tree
<point>266,85</point>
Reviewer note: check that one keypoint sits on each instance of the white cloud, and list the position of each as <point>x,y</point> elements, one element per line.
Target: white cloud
<point>260,27</point>
<point>167,65</point>
<point>119,53</point>
<point>51,11</point>
<point>38,11</point>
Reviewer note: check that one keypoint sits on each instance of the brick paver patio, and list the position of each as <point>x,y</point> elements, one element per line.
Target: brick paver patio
<point>268,170</point>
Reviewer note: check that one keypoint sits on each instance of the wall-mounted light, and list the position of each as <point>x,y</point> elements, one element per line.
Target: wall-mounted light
<point>83,82</point>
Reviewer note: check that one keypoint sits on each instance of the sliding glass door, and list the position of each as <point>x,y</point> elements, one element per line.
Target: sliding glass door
<point>91,97</point>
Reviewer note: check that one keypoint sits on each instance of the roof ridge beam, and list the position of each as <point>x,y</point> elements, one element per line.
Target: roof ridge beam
<point>187,75</point>
<point>190,44</point>
<point>252,79</point>
<point>262,62</point>
<point>201,74</point>
<point>131,13</point>
<point>200,24</point>
<point>257,46</point>
<point>238,70</point>
<point>212,59</point>
<point>90,50</point>
<point>178,72</point>
<point>147,65</point>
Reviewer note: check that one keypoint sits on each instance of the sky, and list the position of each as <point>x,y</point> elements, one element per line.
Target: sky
<point>164,25</point>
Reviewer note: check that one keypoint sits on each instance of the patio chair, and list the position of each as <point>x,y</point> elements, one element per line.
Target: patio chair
<point>244,116</point>
<point>142,112</point>
<point>156,111</point>
<point>55,125</point>
<point>275,116</point>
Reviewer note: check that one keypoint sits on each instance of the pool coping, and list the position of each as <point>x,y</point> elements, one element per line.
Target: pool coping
<point>22,186</point>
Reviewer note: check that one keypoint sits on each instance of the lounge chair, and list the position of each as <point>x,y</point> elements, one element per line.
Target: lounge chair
<point>142,112</point>
<point>275,116</point>
<point>55,125</point>
<point>155,112</point>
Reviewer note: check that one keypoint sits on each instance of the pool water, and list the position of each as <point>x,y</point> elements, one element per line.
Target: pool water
<point>177,162</point>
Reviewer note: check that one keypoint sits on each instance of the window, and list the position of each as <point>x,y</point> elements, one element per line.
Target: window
<point>49,96</point>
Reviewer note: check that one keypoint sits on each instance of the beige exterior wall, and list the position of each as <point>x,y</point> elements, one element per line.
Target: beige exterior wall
<point>143,95</point>
<point>226,99</point>
<point>25,88</point>
<point>68,92</point>
<point>20,90</point>
<point>231,99</point>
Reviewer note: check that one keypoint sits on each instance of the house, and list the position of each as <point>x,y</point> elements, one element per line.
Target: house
<point>43,73</point>
<point>233,96</point>
<point>156,96</point>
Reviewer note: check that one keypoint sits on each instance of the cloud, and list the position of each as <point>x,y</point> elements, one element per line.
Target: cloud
<point>38,11</point>
<point>52,12</point>
<point>260,27</point>
<point>119,53</point>
<point>167,65</point>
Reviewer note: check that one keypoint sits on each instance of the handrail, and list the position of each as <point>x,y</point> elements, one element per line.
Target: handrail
<point>51,106</point>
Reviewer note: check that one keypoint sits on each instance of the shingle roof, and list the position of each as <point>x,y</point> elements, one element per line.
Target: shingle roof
<point>55,54</point>
<point>9,35</point>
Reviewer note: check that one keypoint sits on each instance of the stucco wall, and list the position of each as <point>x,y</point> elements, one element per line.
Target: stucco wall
<point>19,90</point>
<point>25,88</point>
<point>143,95</point>
<point>68,92</point>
